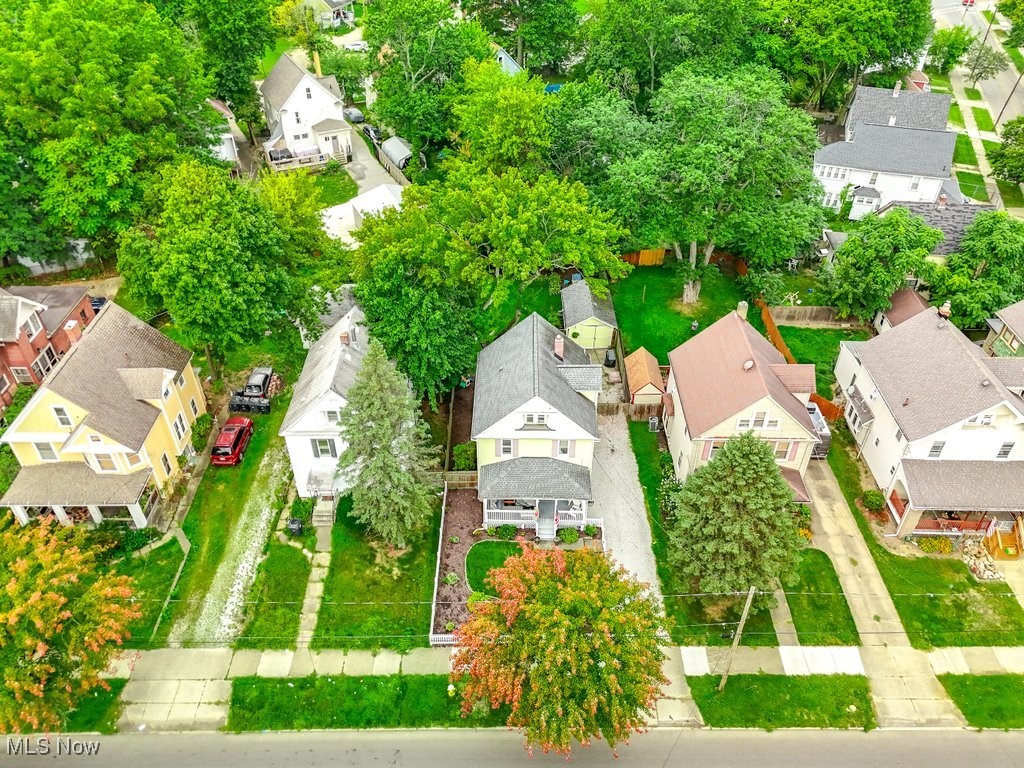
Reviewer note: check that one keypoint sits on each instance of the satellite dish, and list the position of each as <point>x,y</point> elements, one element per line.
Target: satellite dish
<point>748,365</point>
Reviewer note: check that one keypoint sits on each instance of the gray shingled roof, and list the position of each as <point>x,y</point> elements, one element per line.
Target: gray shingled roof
<point>931,366</point>
<point>520,365</point>
<point>89,375</point>
<point>909,151</point>
<point>59,300</point>
<point>952,219</point>
<point>9,326</point>
<point>330,365</point>
<point>579,304</point>
<point>330,82</point>
<point>836,239</point>
<point>73,484</point>
<point>965,486</point>
<point>330,124</point>
<point>1013,317</point>
<point>1009,370</point>
<point>876,106</point>
<point>530,478</point>
<point>869,193</point>
<point>281,81</point>
<point>582,378</point>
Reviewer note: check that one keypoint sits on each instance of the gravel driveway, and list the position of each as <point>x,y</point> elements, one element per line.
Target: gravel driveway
<point>619,499</point>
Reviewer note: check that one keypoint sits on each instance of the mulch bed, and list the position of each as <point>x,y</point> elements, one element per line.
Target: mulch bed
<point>462,516</point>
<point>462,414</point>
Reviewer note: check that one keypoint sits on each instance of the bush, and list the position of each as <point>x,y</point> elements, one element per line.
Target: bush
<point>117,540</point>
<point>590,530</point>
<point>451,579</point>
<point>464,457</point>
<point>201,431</point>
<point>873,500</point>
<point>506,532</point>
<point>15,273</point>
<point>302,509</point>
<point>568,535</point>
<point>476,597</point>
<point>935,545</point>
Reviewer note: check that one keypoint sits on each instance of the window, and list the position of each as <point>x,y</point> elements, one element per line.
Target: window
<point>5,383</point>
<point>892,470</point>
<point>715,445</point>
<point>536,419</point>
<point>46,452</point>
<point>296,137</point>
<point>899,435</point>
<point>936,449</point>
<point>298,118</point>
<point>134,459</point>
<point>193,406</point>
<point>22,375</point>
<point>1004,451</point>
<point>165,463</point>
<point>180,381</point>
<point>874,178</point>
<point>46,360</point>
<point>95,439</point>
<point>309,93</point>
<point>563,447</point>
<point>305,135</point>
<point>179,426</point>
<point>915,182</point>
<point>782,449</point>
<point>167,392</point>
<point>85,317</point>
<point>505,447</point>
<point>323,446</point>
<point>743,424</point>
<point>32,326</point>
<point>105,462</point>
<point>332,417</point>
<point>60,413</point>
<point>760,417</point>
<point>986,420</point>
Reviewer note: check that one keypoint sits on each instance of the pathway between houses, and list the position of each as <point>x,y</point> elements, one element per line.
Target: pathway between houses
<point>903,685</point>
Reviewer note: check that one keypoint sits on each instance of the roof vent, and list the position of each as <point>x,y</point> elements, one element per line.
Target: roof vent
<point>892,119</point>
<point>986,383</point>
<point>896,90</point>
<point>748,365</point>
<point>906,402</point>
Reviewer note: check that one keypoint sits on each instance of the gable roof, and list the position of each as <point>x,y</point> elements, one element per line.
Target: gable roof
<point>59,300</point>
<point>798,378</point>
<point>330,366</point>
<point>713,382</point>
<point>330,124</point>
<point>641,370</point>
<point>903,305</point>
<point>909,151</point>
<point>579,304</point>
<point>877,106</point>
<point>520,365</point>
<point>930,375</point>
<point>965,486</point>
<point>14,310</point>
<point>1013,317</point>
<point>110,368</point>
<point>952,218</point>
<point>285,77</point>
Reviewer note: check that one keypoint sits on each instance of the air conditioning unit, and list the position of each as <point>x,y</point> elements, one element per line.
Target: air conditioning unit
<point>653,424</point>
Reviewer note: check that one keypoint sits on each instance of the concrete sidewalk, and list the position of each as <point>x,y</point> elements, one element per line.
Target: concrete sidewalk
<point>794,660</point>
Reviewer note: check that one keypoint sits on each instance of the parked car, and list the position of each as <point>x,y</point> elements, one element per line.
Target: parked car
<point>968,2</point>
<point>373,133</point>
<point>255,395</point>
<point>353,114</point>
<point>97,302</point>
<point>232,441</point>
<point>359,46</point>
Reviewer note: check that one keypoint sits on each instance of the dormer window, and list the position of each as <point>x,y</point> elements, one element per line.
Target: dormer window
<point>536,418</point>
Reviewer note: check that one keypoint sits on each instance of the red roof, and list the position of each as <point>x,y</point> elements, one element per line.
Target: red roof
<point>906,303</point>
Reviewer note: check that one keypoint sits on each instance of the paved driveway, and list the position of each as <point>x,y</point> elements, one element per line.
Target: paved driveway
<point>619,499</point>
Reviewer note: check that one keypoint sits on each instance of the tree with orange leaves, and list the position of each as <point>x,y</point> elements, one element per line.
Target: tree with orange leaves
<point>570,644</point>
<point>61,620</point>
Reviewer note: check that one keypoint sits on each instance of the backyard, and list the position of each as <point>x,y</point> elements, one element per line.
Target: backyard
<point>373,599</point>
<point>819,346</point>
<point>519,303</point>
<point>336,186</point>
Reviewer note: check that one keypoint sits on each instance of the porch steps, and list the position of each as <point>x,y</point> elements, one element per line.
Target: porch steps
<point>546,529</point>
<point>323,513</point>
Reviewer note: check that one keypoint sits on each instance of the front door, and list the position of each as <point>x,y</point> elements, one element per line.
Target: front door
<point>547,510</point>
<point>334,145</point>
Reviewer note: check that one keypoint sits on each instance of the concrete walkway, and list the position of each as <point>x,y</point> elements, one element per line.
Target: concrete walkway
<point>956,80</point>
<point>903,686</point>
<point>794,660</point>
<point>977,661</point>
<point>782,620</point>
<point>676,706</point>
<point>1013,572</point>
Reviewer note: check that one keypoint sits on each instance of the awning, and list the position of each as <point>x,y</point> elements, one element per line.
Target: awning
<point>531,478</point>
<point>964,486</point>
<point>796,482</point>
<point>74,484</point>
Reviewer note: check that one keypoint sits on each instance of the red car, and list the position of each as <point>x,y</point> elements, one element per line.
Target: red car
<point>232,441</point>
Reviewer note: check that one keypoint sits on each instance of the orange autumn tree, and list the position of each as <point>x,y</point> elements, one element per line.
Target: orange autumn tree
<point>570,645</point>
<point>61,620</point>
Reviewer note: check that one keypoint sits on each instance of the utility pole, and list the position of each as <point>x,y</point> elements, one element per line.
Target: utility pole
<point>736,638</point>
<point>1007,102</point>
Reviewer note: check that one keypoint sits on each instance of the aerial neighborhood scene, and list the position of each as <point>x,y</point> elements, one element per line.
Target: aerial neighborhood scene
<point>468,382</point>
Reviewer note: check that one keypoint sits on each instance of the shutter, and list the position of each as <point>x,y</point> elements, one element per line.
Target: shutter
<point>793,448</point>
<point>334,450</point>
<point>497,448</point>
<point>572,448</point>
<point>515,448</point>
<point>706,450</point>
<point>554,449</point>
<point>316,448</point>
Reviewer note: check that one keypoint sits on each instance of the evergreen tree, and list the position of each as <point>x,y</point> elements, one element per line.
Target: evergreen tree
<point>388,450</point>
<point>732,521</point>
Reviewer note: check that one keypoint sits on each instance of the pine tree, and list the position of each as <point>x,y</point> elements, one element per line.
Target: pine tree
<point>732,522</point>
<point>388,450</point>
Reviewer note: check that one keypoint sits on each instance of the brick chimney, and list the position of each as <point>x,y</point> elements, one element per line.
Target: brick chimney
<point>73,331</point>
<point>559,348</point>
<point>346,340</point>
<point>945,311</point>
<point>741,310</point>
<point>943,200</point>
<point>896,89</point>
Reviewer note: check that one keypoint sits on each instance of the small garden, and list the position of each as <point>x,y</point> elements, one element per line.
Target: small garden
<point>987,701</point>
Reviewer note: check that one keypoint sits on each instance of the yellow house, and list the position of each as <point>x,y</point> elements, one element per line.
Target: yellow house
<point>104,432</point>
<point>588,321</point>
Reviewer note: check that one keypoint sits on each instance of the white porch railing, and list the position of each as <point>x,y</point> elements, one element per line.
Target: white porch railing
<point>522,517</point>
<point>436,640</point>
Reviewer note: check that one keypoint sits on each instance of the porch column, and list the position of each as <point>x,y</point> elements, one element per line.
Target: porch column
<point>20,514</point>
<point>94,513</point>
<point>60,514</point>
<point>135,510</point>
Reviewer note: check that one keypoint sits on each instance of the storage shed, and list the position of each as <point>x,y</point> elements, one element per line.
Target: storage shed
<point>589,321</point>
<point>646,385</point>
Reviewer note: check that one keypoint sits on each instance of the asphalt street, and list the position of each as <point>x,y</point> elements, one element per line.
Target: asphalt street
<point>454,749</point>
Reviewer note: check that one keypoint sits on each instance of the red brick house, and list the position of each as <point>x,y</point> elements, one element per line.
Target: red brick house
<point>38,324</point>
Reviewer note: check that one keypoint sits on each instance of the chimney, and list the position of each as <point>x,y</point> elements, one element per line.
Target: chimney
<point>943,200</point>
<point>945,311</point>
<point>74,333</point>
<point>892,120</point>
<point>896,90</point>
<point>559,347</point>
<point>741,310</point>
<point>345,339</point>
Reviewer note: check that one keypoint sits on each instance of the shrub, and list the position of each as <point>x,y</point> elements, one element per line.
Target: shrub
<point>464,457</point>
<point>935,545</point>
<point>15,273</point>
<point>117,540</point>
<point>451,578</point>
<point>449,626</point>
<point>302,509</point>
<point>201,431</point>
<point>454,539</point>
<point>476,597</point>
<point>568,535</point>
<point>506,532</point>
<point>873,500</point>
<point>590,530</point>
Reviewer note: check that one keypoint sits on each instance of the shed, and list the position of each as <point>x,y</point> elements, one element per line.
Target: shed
<point>589,321</point>
<point>397,150</point>
<point>646,385</point>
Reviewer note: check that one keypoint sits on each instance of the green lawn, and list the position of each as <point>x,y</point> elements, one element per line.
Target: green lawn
<point>939,601</point>
<point>1011,194</point>
<point>395,701</point>
<point>990,16</point>
<point>270,58</point>
<point>778,701</point>
<point>1015,55</point>
<point>973,185</point>
<point>651,315</point>
<point>484,556</point>
<point>973,94</point>
<point>691,622</point>
<point>956,117</point>
<point>987,701</point>
<point>816,601</point>
<point>983,119</point>
<point>939,81</point>
<point>805,285</point>
<point>392,597</point>
<point>989,145</point>
<point>153,574</point>
<point>964,153</point>
<point>535,297</point>
<point>335,187</point>
<point>819,346</point>
<point>275,599</point>
<point>98,712</point>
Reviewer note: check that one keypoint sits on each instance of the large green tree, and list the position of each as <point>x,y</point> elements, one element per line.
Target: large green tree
<point>1007,159</point>
<point>102,93</point>
<point>387,451</point>
<point>875,261</point>
<point>539,33</point>
<point>733,524</point>
<point>948,47</point>
<point>350,68</point>
<point>983,62</point>
<point>61,621</point>
<point>26,230</point>
<point>570,645</point>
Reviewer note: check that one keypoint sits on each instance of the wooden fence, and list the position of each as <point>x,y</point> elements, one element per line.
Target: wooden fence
<point>454,480</point>
<point>643,412</point>
<point>829,410</point>
<point>653,257</point>
<point>773,331</point>
<point>611,408</point>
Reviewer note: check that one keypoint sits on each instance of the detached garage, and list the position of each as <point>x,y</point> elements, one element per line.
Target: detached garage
<point>589,321</point>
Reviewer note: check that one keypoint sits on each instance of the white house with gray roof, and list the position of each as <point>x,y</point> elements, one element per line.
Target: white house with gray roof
<point>895,147</point>
<point>310,428</point>
<point>589,321</point>
<point>304,115</point>
<point>940,426</point>
<point>535,426</point>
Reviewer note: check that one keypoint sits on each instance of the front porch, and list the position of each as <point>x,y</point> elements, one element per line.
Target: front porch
<point>543,516</point>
